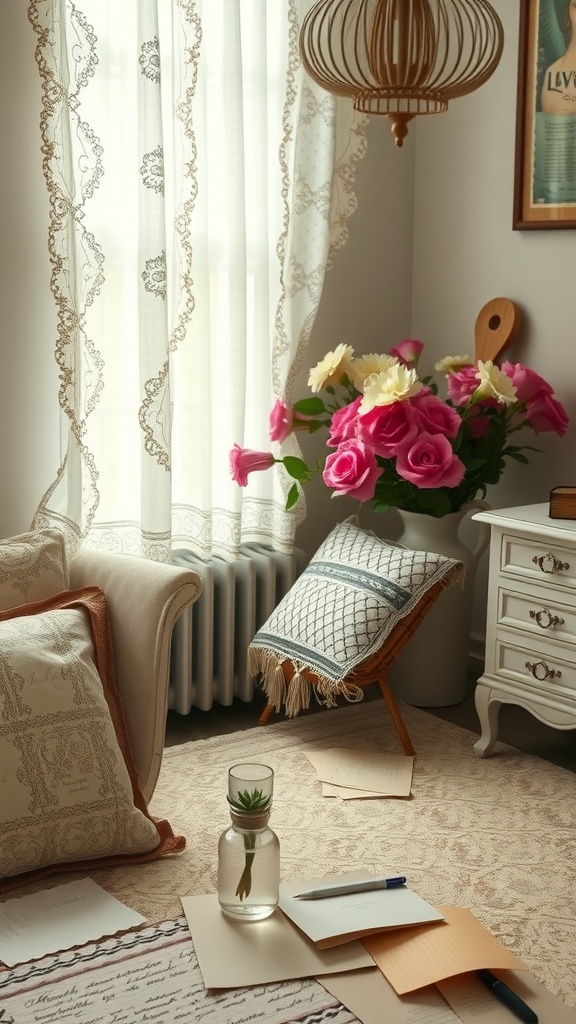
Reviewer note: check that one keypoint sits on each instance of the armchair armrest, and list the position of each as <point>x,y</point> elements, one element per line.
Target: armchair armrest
<point>144,600</point>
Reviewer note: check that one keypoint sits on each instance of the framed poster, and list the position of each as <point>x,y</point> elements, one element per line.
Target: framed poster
<point>545,164</point>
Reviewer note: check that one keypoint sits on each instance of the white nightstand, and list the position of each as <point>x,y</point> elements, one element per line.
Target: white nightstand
<point>531,620</point>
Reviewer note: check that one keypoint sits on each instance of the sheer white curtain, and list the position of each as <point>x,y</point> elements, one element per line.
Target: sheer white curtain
<point>199,183</point>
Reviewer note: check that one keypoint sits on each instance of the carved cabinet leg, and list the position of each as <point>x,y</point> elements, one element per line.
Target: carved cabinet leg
<point>487,706</point>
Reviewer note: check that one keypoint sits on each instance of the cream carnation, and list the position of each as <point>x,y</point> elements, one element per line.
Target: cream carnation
<point>494,384</point>
<point>451,364</point>
<point>397,383</point>
<point>332,368</point>
<point>368,365</point>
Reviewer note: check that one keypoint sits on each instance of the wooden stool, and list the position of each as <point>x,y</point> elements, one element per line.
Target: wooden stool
<point>374,670</point>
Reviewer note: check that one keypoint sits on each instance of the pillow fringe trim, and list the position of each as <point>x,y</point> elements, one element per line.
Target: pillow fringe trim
<point>296,693</point>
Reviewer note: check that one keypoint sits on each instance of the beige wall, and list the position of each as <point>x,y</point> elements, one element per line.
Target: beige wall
<point>464,252</point>
<point>430,243</point>
<point>28,375</point>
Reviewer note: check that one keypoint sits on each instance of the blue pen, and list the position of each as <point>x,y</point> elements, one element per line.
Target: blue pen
<point>345,887</point>
<point>509,998</point>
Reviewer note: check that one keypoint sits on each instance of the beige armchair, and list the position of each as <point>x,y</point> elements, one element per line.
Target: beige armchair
<point>144,600</point>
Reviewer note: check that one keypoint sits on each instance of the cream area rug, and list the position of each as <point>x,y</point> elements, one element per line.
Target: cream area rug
<point>494,835</point>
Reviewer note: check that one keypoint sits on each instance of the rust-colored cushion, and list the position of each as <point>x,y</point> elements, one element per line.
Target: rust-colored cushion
<point>69,796</point>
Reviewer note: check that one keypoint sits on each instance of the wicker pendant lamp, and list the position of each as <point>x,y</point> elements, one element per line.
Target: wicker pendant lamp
<point>401,57</point>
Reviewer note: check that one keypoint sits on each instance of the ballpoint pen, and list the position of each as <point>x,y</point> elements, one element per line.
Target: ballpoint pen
<point>345,887</point>
<point>509,998</point>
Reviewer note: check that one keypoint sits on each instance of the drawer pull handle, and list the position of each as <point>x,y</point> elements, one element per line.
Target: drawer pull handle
<point>545,619</point>
<point>540,670</point>
<point>548,563</point>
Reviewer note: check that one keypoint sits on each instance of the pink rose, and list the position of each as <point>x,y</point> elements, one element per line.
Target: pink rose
<point>434,415</point>
<point>343,425</point>
<point>280,421</point>
<point>546,413</point>
<point>408,351</point>
<point>430,462</point>
<point>244,461</point>
<point>352,470</point>
<point>387,426</point>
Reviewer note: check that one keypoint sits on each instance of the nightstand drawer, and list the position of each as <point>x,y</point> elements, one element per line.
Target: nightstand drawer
<point>530,655</point>
<point>536,668</point>
<point>539,561</point>
<point>539,613</point>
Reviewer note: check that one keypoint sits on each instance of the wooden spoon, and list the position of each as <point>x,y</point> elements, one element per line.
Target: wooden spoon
<point>497,324</point>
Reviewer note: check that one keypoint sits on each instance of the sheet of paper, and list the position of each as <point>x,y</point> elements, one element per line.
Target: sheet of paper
<point>337,919</point>
<point>233,954</point>
<point>343,793</point>
<point>372,1000</point>
<point>386,774</point>
<point>59,918</point>
<point>414,957</point>
<point>151,975</point>
<point>474,1004</point>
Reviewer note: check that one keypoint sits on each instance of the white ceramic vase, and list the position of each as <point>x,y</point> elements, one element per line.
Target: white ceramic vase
<point>432,670</point>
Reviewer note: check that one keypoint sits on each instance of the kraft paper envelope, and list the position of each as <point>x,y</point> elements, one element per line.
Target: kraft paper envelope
<point>372,1000</point>
<point>234,954</point>
<point>380,774</point>
<point>474,1004</point>
<point>422,955</point>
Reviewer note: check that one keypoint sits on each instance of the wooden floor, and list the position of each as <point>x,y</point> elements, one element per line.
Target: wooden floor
<point>516,726</point>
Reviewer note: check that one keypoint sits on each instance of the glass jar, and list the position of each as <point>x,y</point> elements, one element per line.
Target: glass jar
<point>249,851</point>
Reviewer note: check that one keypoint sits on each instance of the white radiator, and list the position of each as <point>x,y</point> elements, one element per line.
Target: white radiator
<point>209,653</point>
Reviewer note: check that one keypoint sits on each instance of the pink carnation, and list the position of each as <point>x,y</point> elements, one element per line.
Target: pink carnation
<point>352,469</point>
<point>546,413</point>
<point>343,424</point>
<point>527,382</point>
<point>387,426</point>
<point>408,351</point>
<point>462,385</point>
<point>280,421</point>
<point>430,462</point>
<point>434,415</point>
<point>245,460</point>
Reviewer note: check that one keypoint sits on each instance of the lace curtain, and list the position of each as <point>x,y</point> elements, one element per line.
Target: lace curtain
<point>199,185</point>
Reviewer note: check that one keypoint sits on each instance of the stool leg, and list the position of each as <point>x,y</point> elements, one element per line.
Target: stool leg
<point>395,715</point>
<point>266,714</point>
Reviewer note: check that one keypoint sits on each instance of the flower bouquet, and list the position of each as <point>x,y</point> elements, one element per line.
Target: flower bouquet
<point>396,442</point>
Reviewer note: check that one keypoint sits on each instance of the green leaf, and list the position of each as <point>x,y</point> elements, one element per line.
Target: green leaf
<point>379,505</point>
<point>297,468</point>
<point>310,406</point>
<point>293,495</point>
<point>436,503</point>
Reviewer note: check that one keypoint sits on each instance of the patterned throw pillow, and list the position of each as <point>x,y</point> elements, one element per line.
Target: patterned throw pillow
<point>340,611</point>
<point>32,566</point>
<point>68,785</point>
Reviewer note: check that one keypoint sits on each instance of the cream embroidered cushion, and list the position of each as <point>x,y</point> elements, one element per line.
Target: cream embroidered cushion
<point>340,611</point>
<point>32,566</point>
<point>68,786</point>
